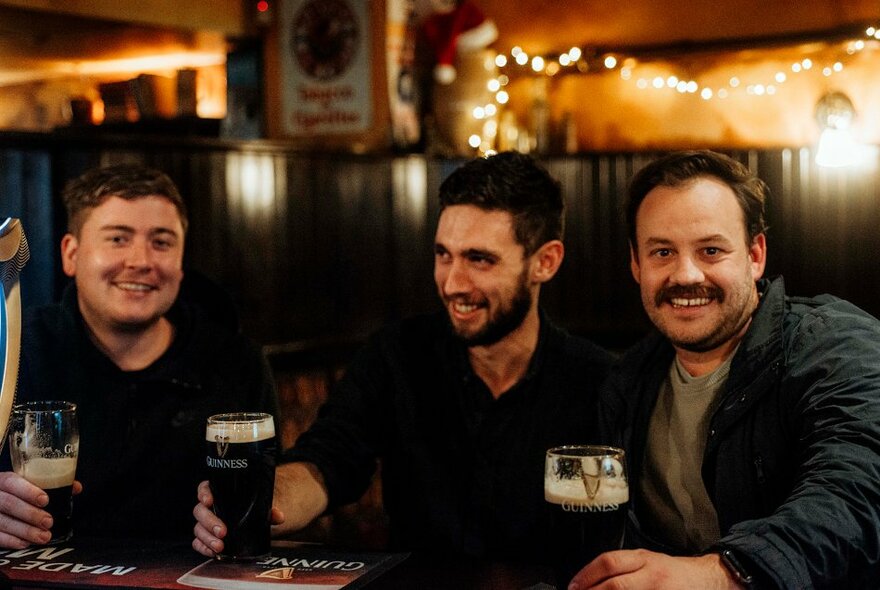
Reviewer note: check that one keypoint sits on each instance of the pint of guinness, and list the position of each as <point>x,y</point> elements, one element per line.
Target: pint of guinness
<point>241,451</point>
<point>588,495</point>
<point>43,446</point>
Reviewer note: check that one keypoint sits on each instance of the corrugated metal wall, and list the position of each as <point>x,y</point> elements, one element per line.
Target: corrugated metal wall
<point>320,247</point>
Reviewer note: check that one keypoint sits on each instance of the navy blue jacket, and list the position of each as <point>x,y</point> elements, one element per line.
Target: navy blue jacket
<point>792,461</point>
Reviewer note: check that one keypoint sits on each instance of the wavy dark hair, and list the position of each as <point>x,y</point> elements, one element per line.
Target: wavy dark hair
<point>512,182</point>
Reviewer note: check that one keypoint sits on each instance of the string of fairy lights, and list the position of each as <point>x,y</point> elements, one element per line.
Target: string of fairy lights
<point>635,67</point>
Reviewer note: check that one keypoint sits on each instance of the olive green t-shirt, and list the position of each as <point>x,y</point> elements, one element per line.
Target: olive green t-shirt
<point>675,505</point>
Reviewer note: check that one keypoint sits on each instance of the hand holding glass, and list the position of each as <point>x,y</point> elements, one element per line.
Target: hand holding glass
<point>43,446</point>
<point>587,491</point>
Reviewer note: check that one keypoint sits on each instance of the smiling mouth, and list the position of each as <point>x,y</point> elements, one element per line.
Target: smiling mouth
<point>683,302</point>
<point>136,287</point>
<point>464,307</point>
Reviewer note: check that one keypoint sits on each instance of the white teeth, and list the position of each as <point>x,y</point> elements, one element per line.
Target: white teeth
<point>681,302</point>
<point>133,287</point>
<point>463,308</point>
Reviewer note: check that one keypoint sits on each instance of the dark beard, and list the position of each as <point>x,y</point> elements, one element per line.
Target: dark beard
<point>505,322</point>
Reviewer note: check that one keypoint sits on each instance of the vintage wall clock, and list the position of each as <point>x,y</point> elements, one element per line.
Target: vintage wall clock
<point>324,38</point>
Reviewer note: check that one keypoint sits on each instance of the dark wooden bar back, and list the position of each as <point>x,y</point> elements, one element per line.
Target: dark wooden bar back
<point>318,250</point>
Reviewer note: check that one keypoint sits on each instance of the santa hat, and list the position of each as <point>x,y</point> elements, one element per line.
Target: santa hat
<point>465,28</point>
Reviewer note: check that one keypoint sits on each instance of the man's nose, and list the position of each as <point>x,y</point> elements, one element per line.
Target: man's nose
<point>687,271</point>
<point>139,254</point>
<point>456,279</point>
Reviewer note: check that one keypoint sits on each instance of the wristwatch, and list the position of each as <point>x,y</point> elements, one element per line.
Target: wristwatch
<point>736,568</point>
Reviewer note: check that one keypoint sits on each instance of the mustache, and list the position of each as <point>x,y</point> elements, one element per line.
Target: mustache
<point>688,292</point>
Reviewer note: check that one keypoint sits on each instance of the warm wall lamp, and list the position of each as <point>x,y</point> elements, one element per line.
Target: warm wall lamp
<point>837,147</point>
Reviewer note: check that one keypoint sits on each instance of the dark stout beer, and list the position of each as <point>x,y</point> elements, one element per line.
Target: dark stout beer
<point>55,477</point>
<point>588,510</point>
<point>241,467</point>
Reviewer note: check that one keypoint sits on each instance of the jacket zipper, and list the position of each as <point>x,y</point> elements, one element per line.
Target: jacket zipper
<point>759,468</point>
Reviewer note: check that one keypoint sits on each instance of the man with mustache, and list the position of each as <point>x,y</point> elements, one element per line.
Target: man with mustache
<point>751,419</point>
<point>144,366</point>
<point>460,406</point>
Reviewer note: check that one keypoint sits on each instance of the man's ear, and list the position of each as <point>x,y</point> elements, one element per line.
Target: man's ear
<point>758,255</point>
<point>547,260</point>
<point>634,263</point>
<point>69,249</point>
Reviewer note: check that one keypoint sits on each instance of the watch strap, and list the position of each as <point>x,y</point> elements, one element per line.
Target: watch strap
<point>736,568</point>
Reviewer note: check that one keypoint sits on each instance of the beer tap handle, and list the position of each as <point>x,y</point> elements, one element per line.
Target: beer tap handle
<point>14,253</point>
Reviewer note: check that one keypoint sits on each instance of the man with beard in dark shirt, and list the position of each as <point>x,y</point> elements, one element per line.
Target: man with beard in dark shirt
<point>459,406</point>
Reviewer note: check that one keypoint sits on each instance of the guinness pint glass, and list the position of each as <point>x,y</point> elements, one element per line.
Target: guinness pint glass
<point>588,495</point>
<point>241,452</point>
<point>43,447</point>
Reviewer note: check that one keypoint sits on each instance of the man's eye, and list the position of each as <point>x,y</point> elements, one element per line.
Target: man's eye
<point>662,252</point>
<point>713,251</point>
<point>116,239</point>
<point>480,259</point>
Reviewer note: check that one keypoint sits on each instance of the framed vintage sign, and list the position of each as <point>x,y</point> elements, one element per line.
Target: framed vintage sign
<point>326,78</point>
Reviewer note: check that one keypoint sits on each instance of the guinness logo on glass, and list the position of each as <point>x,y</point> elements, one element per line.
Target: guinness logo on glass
<point>222,445</point>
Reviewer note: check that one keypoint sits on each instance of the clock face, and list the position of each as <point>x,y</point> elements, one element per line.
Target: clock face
<point>324,38</point>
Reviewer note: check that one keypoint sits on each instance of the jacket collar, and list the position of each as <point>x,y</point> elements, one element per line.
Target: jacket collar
<point>763,340</point>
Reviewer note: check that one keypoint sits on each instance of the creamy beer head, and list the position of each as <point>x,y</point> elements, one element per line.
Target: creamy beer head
<point>610,491</point>
<point>49,474</point>
<point>240,428</point>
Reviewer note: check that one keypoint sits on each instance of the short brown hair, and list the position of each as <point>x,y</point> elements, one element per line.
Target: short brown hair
<point>679,168</point>
<point>126,181</point>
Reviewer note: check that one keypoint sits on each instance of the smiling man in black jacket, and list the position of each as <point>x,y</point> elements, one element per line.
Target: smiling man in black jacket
<point>751,419</point>
<point>144,366</point>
